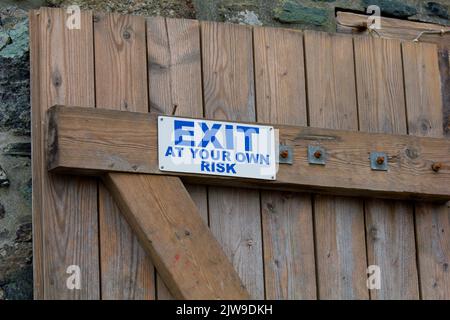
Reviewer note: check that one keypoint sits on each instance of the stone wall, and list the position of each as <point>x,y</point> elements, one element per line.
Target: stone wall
<point>15,162</point>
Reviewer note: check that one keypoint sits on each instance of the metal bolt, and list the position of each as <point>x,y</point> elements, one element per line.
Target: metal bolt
<point>284,154</point>
<point>316,155</point>
<point>380,160</point>
<point>436,166</point>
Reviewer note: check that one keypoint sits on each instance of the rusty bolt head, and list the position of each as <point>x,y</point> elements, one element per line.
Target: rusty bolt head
<point>436,166</point>
<point>318,154</point>
<point>284,154</point>
<point>380,160</point>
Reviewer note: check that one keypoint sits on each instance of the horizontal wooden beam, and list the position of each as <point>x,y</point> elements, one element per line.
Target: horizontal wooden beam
<point>185,252</point>
<point>95,141</point>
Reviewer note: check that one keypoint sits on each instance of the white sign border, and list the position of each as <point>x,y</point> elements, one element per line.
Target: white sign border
<point>274,149</point>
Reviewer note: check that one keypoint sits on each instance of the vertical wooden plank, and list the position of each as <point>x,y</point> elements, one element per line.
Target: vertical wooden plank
<point>228,89</point>
<point>37,157</point>
<point>280,76</point>
<point>68,205</point>
<point>235,222</point>
<point>127,271</point>
<point>424,110</point>
<point>389,224</point>
<point>228,85</point>
<point>174,58</point>
<point>287,226</point>
<point>433,245</point>
<point>444,69</point>
<point>339,222</point>
<point>423,89</point>
<point>340,247</point>
<point>175,79</point>
<point>199,196</point>
<point>381,97</point>
<point>288,246</point>
<point>121,83</point>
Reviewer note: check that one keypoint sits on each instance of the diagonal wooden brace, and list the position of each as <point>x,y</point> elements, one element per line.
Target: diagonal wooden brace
<point>186,254</point>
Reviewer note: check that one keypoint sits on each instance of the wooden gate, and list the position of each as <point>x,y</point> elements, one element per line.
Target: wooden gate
<point>283,245</point>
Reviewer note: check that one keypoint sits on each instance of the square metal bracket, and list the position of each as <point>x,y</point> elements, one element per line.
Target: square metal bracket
<point>286,154</point>
<point>378,161</point>
<point>316,155</point>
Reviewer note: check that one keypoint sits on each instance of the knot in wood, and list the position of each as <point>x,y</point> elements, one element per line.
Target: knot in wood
<point>126,35</point>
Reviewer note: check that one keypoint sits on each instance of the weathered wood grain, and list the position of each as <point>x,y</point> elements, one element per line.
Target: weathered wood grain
<point>121,84</point>
<point>228,89</point>
<point>424,110</point>
<point>289,269</point>
<point>94,141</point>
<point>422,89</point>
<point>174,71</point>
<point>389,224</point>
<point>237,227</point>
<point>390,244</point>
<point>288,245</point>
<point>379,74</point>
<point>127,271</point>
<point>280,76</point>
<point>66,212</point>
<point>173,47</point>
<point>186,254</point>
<point>444,67</point>
<point>408,30</point>
<point>341,259</point>
<point>65,209</point>
<point>432,228</point>
<point>339,222</point>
